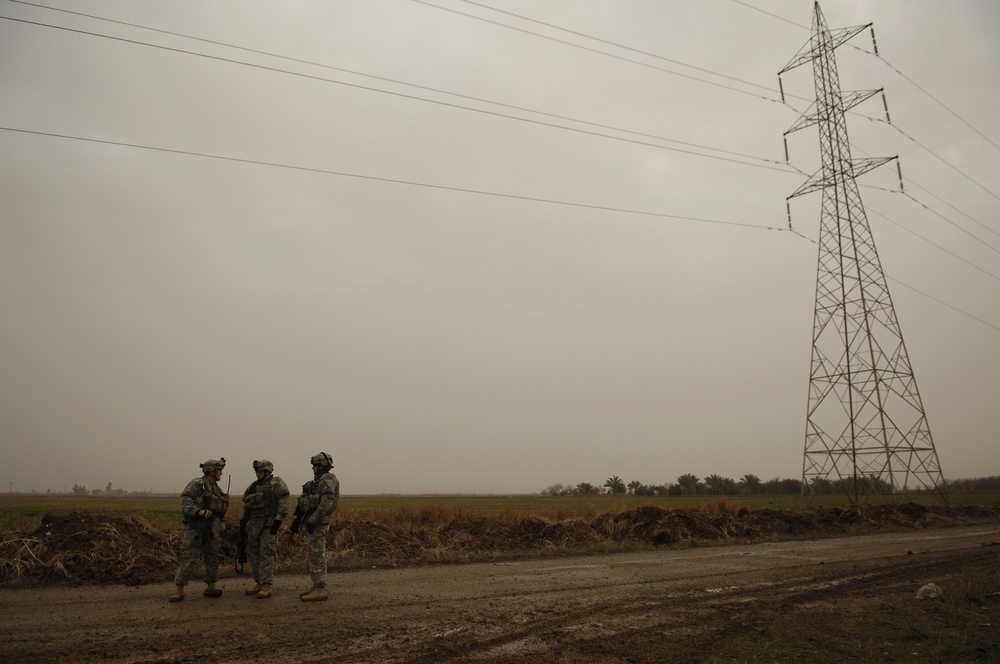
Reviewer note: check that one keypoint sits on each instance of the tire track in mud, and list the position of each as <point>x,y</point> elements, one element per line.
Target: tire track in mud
<point>686,621</point>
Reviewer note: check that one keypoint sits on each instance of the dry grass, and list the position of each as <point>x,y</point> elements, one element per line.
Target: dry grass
<point>724,506</point>
<point>83,546</point>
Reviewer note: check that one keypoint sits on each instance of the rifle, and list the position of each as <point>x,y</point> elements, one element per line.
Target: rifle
<point>297,522</point>
<point>241,547</point>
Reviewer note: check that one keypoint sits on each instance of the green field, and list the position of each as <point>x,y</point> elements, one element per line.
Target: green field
<point>24,512</point>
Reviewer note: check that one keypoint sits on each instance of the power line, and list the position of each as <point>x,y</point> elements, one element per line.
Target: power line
<point>604,41</point>
<point>354,175</point>
<point>932,211</point>
<point>952,223</point>
<point>520,16</point>
<point>780,18</point>
<point>943,303</point>
<point>941,159</point>
<point>961,212</point>
<point>778,166</point>
<point>375,178</point>
<point>934,154</point>
<point>464,190</point>
<point>917,290</point>
<point>394,81</point>
<point>929,209</point>
<point>933,244</point>
<point>611,55</point>
<point>939,102</point>
<point>562,117</point>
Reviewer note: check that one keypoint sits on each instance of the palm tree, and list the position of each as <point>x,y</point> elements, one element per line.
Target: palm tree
<point>688,484</point>
<point>751,483</point>
<point>615,484</point>
<point>719,485</point>
<point>633,486</point>
<point>821,485</point>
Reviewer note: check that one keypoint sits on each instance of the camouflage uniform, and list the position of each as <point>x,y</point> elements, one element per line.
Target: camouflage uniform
<point>316,506</point>
<point>201,537</point>
<point>266,504</point>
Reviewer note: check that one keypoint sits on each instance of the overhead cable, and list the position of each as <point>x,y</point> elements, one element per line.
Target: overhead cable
<point>933,244</point>
<point>465,190</point>
<point>961,212</point>
<point>943,303</point>
<point>395,81</point>
<point>929,209</point>
<point>940,158</point>
<point>376,178</point>
<point>611,55</point>
<point>609,42</point>
<point>774,165</point>
<point>940,103</point>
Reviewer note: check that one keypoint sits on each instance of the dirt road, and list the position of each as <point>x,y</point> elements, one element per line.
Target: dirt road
<point>658,605</point>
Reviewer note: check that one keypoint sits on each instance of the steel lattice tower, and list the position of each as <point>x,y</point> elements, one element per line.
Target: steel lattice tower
<point>866,429</point>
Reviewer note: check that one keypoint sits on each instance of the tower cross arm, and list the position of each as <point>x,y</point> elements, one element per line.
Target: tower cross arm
<point>862,166</point>
<point>808,118</point>
<point>811,116</point>
<point>815,182</point>
<point>819,180</point>
<point>811,50</point>
<point>852,99</point>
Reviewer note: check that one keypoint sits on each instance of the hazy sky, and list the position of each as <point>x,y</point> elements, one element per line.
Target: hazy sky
<point>469,247</point>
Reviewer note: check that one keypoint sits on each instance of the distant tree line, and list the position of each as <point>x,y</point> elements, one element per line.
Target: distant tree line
<point>80,490</point>
<point>975,484</point>
<point>750,485</point>
<point>686,485</point>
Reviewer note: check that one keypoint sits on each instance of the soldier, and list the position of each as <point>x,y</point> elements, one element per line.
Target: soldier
<point>204,506</point>
<point>315,509</point>
<point>265,504</point>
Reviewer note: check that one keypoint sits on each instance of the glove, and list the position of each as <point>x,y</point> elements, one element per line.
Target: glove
<point>206,514</point>
<point>309,528</point>
<point>275,526</point>
<point>295,527</point>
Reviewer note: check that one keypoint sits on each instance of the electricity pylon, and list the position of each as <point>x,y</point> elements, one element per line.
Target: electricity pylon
<point>866,429</point>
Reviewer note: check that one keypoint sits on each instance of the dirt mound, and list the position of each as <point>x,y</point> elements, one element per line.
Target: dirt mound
<point>91,548</point>
<point>671,526</point>
<point>86,547</point>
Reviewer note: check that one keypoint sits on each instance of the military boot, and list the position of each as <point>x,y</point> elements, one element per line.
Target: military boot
<point>265,591</point>
<point>317,594</point>
<point>178,595</point>
<point>307,591</point>
<point>212,591</point>
<point>252,591</point>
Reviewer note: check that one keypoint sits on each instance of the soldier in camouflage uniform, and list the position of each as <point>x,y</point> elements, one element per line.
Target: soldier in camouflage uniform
<point>265,504</point>
<point>315,509</point>
<point>204,506</point>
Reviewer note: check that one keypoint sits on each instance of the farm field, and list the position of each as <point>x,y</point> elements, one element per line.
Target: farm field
<point>24,512</point>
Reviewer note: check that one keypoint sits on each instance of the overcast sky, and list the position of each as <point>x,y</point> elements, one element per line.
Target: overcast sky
<point>469,247</point>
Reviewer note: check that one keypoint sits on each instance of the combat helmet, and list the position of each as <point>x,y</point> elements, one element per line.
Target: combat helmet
<point>263,465</point>
<point>213,464</point>
<point>322,459</point>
